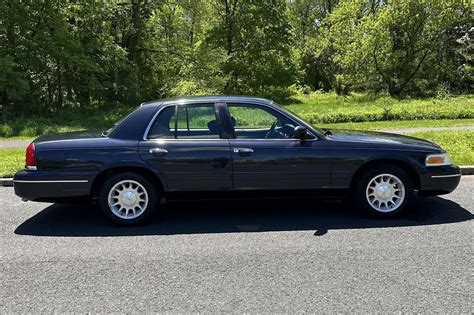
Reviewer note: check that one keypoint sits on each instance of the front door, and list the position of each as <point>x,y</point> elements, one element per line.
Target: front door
<point>265,156</point>
<point>184,143</point>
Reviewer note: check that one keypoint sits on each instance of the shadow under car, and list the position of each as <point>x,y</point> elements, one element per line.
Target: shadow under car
<point>234,216</point>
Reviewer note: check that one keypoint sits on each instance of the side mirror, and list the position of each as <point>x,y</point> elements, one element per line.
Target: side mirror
<point>300,132</point>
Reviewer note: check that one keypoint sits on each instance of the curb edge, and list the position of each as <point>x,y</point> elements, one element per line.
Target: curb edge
<point>6,182</point>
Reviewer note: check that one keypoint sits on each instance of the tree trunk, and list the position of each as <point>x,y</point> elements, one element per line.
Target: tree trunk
<point>60,86</point>
<point>230,8</point>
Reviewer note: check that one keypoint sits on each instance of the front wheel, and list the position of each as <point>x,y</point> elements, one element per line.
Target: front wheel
<point>383,191</point>
<point>128,198</point>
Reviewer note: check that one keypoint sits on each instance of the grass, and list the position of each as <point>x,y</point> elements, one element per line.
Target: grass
<point>317,108</point>
<point>17,138</point>
<point>459,144</point>
<point>328,108</point>
<point>400,124</point>
<point>11,161</point>
<point>23,127</point>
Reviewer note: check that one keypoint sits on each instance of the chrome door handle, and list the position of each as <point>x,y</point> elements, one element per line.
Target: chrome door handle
<point>158,151</point>
<point>243,150</point>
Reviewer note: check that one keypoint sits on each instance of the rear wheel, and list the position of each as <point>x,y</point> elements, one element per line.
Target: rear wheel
<point>128,198</point>
<point>383,191</point>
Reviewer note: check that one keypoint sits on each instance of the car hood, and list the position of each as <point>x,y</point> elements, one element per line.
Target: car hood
<point>378,137</point>
<point>87,134</point>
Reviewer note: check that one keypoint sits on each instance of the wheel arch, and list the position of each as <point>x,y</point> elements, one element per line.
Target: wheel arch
<point>140,169</point>
<point>404,165</point>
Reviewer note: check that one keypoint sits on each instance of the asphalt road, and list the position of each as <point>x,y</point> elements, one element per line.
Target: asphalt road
<point>274,256</point>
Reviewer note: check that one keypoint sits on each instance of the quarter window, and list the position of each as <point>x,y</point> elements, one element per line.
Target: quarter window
<point>186,122</point>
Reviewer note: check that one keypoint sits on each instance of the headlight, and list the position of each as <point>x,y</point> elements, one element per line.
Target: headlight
<point>438,159</point>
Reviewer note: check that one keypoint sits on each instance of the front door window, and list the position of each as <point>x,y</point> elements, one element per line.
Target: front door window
<point>258,122</point>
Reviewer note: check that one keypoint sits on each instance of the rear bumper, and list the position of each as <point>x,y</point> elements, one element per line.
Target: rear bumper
<point>49,186</point>
<point>439,180</point>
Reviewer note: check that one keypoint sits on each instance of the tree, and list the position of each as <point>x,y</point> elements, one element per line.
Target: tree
<point>61,54</point>
<point>257,41</point>
<point>189,65</point>
<point>387,46</point>
<point>315,69</point>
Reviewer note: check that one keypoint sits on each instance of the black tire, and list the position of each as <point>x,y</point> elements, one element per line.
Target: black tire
<point>152,195</point>
<point>361,187</point>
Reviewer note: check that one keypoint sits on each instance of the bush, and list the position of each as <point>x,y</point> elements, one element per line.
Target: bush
<point>382,116</point>
<point>340,88</point>
<point>442,92</point>
<point>29,132</point>
<point>63,121</point>
<point>6,130</point>
<point>279,94</point>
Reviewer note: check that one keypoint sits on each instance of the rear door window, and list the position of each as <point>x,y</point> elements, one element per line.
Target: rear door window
<point>195,121</point>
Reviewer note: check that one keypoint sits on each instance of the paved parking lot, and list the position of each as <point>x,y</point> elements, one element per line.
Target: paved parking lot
<point>284,255</point>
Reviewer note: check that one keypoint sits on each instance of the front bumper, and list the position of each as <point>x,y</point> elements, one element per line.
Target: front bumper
<point>50,186</point>
<point>439,180</point>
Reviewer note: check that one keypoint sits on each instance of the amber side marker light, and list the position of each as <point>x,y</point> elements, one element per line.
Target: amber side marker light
<point>438,159</point>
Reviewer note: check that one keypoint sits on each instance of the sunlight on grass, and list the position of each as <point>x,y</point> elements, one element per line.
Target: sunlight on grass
<point>326,108</point>
<point>400,124</point>
<point>11,161</point>
<point>459,144</point>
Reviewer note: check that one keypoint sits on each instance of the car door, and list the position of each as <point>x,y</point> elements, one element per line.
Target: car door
<point>184,143</point>
<point>265,156</point>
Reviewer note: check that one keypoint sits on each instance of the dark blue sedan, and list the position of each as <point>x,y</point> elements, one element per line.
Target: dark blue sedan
<point>229,146</point>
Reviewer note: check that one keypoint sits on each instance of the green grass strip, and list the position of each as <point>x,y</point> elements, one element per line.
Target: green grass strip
<point>11,161</point>
<point>459,144</point>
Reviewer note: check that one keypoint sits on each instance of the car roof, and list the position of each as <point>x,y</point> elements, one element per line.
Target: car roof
<point>209,98</point>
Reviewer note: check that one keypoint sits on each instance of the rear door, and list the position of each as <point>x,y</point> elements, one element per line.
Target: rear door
<point>185,144</point>
<point>266,156</point>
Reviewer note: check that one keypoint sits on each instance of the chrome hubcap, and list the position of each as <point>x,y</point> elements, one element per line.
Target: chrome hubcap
<point>385,193</point>
<point>128,199</point>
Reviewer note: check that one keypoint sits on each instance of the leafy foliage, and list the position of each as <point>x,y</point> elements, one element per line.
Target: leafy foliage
<point>405,46</point>
<point>81,54</point>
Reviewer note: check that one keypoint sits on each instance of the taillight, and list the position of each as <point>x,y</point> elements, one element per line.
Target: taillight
<point>30,158</point>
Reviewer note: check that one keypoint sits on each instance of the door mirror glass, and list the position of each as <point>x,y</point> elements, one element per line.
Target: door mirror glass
<point>300,132</point>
